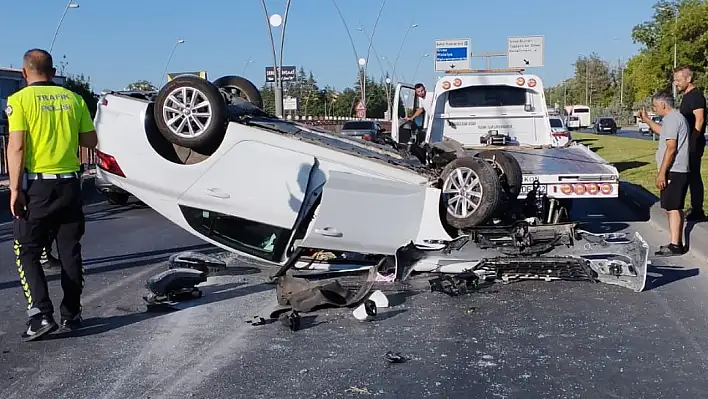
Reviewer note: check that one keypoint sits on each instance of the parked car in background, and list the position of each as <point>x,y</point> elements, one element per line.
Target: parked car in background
<point>560,132</point>
<point>644,128</point>
<point>366,130</point>
<point>606,125</point>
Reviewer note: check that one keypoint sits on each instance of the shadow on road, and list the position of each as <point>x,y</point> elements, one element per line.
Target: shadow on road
<point>596,149</point>
<point>623,166</point>
<point>212,294</point>
<point>120,262</point>
<point>658,276</point>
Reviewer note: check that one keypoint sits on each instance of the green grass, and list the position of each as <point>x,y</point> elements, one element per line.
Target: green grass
<point>634,158</point>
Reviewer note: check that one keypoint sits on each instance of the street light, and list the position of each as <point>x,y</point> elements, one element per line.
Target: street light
<point>167,65</point>
<point>69,5</point>
<point>395,64</point>
<point>274,21</point>
<point>378,59</point>
<point>675,10</point>
<point>351,40</point>
<point>249,62</point>
<point>418,66</point>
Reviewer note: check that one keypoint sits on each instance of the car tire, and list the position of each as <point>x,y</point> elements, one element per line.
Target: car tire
<point>117,198</point>
<point>204,132</point>
<point>248,89</point>
<point>488,187</point>
<point>508,169</point>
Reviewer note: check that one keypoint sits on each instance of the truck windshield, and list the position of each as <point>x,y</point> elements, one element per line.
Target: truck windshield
<point>487,96</point>
<point>556,123</point>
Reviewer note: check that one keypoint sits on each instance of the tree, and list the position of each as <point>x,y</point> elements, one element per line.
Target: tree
<point>651,69</point>
<point>141,85</point>
<point>81,85</point>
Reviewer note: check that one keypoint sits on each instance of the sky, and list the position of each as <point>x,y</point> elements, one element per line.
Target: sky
<point>118,42</point>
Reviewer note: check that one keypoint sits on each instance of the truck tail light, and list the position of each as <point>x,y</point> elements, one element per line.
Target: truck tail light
<point>366,137</point>
<point>606,188</point>
<point>109,164</point>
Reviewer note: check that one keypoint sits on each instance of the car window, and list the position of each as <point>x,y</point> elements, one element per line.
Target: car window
<point>556,122</point>
<point>254,238</point>
<point>486,96</point>
<point>357,125</point>
<point>581,111</point>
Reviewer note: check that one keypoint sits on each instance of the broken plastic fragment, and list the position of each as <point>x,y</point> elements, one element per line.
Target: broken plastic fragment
<point>366,310</point>
<point>379,299</point>
<point>392,357</point>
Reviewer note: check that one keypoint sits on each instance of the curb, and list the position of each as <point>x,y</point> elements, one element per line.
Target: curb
<point>648,207</point>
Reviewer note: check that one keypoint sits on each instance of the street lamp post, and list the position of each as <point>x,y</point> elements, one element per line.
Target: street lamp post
<point>249,62</point>
<point>371,38</point>
<point>418,66</point>
<point>395,63</point>
<point>275,21</point>
<point>69,5</point>
<point>167,65</point>
<point>675,10</point>
<point>351,40</point>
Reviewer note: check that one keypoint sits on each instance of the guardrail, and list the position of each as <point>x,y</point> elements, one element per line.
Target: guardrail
<point>87,157</point>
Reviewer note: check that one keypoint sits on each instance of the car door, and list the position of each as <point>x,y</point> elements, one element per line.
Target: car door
<point>249,200</point>
<point>366,215</point>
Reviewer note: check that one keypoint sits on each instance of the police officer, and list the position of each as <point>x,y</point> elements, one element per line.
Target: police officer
<point>47,125</point>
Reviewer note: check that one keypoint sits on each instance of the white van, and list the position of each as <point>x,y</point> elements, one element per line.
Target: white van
<point>581,114</point>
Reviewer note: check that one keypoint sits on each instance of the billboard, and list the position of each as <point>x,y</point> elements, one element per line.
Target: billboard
<point>288,73</point>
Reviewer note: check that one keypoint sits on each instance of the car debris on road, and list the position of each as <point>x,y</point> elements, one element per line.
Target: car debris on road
<point>362,211</point>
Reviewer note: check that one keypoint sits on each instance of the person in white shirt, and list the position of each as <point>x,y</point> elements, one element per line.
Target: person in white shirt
<point>425,104</point>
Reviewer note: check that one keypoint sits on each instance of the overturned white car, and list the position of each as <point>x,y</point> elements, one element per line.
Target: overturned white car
<point>275,190</point>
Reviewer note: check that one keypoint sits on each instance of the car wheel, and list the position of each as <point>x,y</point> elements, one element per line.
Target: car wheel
<point>117,198</point>
<point>471,192</point>
<point>508,169</point>
<point>190,112</point>
<point>241,87</point>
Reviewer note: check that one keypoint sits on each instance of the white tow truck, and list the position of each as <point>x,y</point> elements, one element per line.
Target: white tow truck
<point>278,191</point>
<point>485,110</point>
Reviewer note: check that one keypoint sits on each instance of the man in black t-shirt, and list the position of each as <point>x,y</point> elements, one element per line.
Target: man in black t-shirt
<point>693,108</point>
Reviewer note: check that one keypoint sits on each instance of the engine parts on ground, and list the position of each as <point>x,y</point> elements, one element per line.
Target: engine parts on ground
<point>197,261</point>
<point>174,285</point>
<point>455,285</point>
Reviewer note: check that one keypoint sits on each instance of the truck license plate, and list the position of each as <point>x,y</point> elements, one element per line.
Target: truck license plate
<point>527,188</point>
<point>527,185</point>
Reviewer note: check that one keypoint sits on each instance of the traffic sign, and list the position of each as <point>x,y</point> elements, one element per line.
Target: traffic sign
<point>525,51</point>
<point>452,54</point>
<point>361,109</point>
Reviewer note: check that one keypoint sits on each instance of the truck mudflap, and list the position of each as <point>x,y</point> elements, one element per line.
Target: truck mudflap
<point>546,252</point>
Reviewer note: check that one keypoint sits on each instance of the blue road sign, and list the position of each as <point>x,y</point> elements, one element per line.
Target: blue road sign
<point>452,54</point>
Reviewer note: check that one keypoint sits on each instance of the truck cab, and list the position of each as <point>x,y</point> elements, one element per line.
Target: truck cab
<point>480,109</point>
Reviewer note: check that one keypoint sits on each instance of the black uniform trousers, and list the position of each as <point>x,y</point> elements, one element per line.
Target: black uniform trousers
<point>695,180</point>
<point>54,206</point>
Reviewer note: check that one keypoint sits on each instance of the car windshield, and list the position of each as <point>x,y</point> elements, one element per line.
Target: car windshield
<point>357,126</point>
<point>556,122</point>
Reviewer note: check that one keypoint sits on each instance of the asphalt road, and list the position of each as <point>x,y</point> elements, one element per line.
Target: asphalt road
<point>522,340</point>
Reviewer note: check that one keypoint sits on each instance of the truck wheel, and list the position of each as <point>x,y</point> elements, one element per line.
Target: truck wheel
<point>471,192</point>
<point>190,112</point>
<point>507,168</point>
<point>241,87</point>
